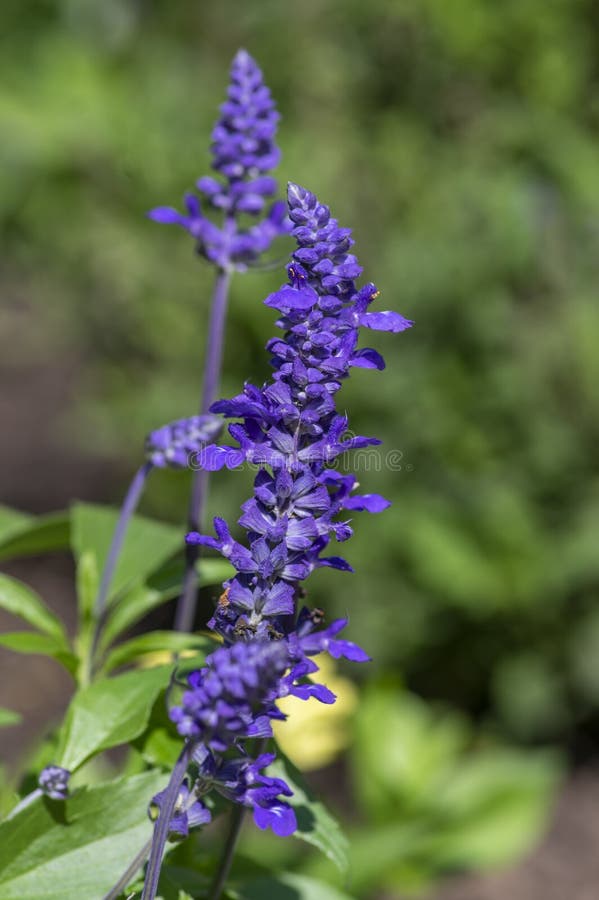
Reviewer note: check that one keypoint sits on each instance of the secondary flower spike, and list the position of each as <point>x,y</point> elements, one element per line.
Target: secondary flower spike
<point>243,152</point>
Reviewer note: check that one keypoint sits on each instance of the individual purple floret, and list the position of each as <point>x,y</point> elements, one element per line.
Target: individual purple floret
<point>189,812</point>
<point>243,151</point>
<point>291,428</point>
<point>177,443</point>
<point>54,782</point>
<point>241,780</point>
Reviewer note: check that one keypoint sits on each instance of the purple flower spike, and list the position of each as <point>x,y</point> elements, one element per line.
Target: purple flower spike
<point>243,146</point>
<point>243,152</point>
<point>291,428</point>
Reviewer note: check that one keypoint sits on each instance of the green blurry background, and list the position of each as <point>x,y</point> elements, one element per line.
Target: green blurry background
<point>460,141</point>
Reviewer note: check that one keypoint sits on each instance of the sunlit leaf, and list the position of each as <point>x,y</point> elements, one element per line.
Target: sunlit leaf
<point>20,600</point>
<point>109,712</point>
<point>78,848</point>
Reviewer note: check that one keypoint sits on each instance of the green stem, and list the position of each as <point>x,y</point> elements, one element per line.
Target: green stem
<point>224,867</point>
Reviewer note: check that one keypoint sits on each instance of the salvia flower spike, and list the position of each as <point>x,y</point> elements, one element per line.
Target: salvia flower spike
<point>291,428</point>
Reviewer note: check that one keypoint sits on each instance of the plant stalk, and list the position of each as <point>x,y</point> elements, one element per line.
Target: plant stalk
<point>199,490</point>
<point>226,860</point>
<point>162,823</point>
<point>129,506</point>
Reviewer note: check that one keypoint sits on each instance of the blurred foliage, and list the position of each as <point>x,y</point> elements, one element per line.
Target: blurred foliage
<point>434,799</point>
<point>460,142</point>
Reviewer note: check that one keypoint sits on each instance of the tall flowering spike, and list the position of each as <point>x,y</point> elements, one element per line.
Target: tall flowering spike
<point>291,428</point>
<point>243,151</point>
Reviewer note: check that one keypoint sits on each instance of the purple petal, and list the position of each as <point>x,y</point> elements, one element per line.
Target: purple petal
<point>319,691</point>
<point>347,650</point>
<point>372,503</point>
<point>281,818</point>
<point>167,216</point>
<point>289,298</point>
<point>335,562</point>
<point>385,321</point>
<point>367,359</point>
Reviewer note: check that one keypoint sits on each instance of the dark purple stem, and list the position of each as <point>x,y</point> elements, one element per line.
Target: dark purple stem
<point>101,605</point>
<point>199,490</point>
<point>127,509</point>
<point>162,823</point>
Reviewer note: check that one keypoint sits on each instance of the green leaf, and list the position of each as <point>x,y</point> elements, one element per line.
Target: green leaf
<point>21,601</point>
<point>88,580</point>
<point>8,717</point>
<point>498,804</point>
<point>35,535</point>
<point>160,743</point>
<point>316,825</point>
<point>382,855</point>
<point>289,887</point>
<point>148,544</point>
<point>76,849</point>
<point>162,586</point>
<point>11,521</point>
<point>421,749</point>
<point>156,641</point>
<point>109,712</point>
<point>44,644</point>
<point>128,610</point>
<point>179,883</point>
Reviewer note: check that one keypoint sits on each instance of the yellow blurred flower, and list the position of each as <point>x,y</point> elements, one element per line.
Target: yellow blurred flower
<point>316,733</point>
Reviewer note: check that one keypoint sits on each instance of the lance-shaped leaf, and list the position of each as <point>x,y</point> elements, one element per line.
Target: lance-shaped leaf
<point>289,887</point>
<point>20,600</point>
<point>156,642</point>
<point>23,535</point>
<point>109,712</point>
<point>162,586</point>
<point>33,642</point>
<point>148,544</point>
